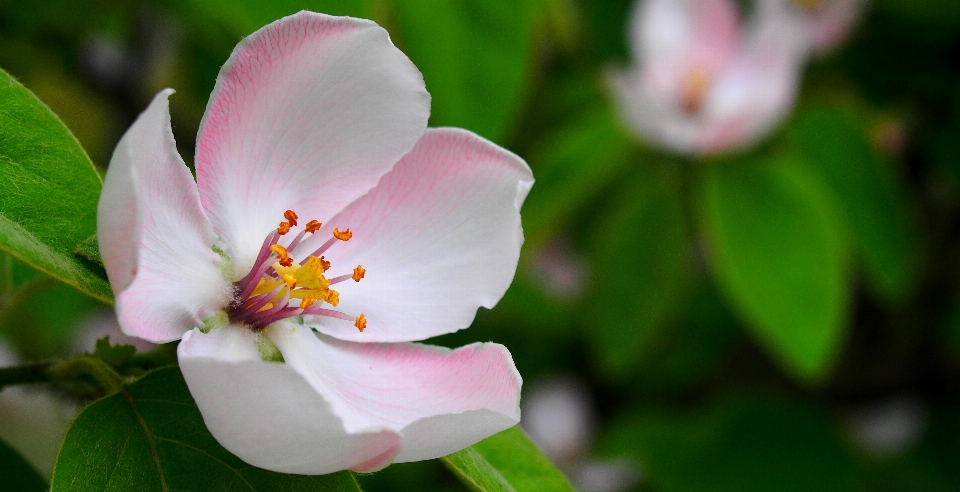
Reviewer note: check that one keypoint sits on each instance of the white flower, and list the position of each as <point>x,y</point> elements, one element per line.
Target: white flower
<point>318,119</point>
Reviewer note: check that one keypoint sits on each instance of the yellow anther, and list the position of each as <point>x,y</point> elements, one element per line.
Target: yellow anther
<point>358,273</point>
<point>361,322</point>
<point>307,302</point>
<point>291,216</point>
<point>281,252</point>
<point>343,236</point>
<point>290,280</point>
<point>313,226</point>
<point>283,228</point>
<point>332,297</point>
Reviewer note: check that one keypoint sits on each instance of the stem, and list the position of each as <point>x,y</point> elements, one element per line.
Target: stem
<point>36,372</point>
<point>86,365</point>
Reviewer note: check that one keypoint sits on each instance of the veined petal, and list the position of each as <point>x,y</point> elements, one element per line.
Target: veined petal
<point>268,414</point>
<point>439,400</point>
<point>439,237</point>
<point>154,238</point>
<point>307,114</point>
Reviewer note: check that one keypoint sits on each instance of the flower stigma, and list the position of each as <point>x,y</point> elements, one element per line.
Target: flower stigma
<point>277,287</point>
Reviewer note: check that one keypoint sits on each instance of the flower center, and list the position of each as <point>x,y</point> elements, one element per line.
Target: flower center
<point>694,90</point>
<point>277,287</point>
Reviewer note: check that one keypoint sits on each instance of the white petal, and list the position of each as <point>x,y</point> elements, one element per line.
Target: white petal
<point>269,415</point>
<point>308,113</point>
<point>438,237</point>
<point>439,400</point>
<point>154,238</point>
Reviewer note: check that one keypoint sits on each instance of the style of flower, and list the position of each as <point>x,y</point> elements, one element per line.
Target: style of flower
<point>327,228</point>
<point>702,83</point>
<point>825,23</point>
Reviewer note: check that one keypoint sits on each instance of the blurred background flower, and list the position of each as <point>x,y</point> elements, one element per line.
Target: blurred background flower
<point>742,259</point>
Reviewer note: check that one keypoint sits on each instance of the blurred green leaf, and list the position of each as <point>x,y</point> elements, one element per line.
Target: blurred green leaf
<point>934,12</point>
<point>834,144</point>
<point>641,273</point>
<point>151,436</point>
<point>476,57</point>
<point>16,475</point>
<point>779,251</point>
<point>691,349</point>
<point>572,166</point>
<point>507,461</point>
<point>740,444</point>
<point>48,192</point>
<point>243,17</point>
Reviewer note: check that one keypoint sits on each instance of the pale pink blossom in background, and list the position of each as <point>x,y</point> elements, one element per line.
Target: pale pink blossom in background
<point>825,23</point>
<point>33,419</point>
<point>560,418</point>
<point>702,81</point>
<point>317,119</point>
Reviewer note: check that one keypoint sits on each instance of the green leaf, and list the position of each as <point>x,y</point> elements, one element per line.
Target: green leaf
<point>779,251</point>
<point>833,143</point>
<point>150,436</point>
<point>572,167</point>
<point>115,355</point>
<point>476,57</point>
<point>507,461</point>
<point>642,273</point>
<point>89,248</point>
<point>48,192</point>
<point>741,444</point>
<point>243,17</point>
<point>16,475</point>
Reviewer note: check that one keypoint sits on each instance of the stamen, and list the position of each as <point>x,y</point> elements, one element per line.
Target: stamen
<point>283,228</point>
<point>291,216</point>
<point>322,248</point>
<point>332,298</point>
<point>307,302</point>
<point>361,322</point>
<point>281,252</point>
<point>325,264</point>
<point>342,235</point>
<point>358,273</point>
<point>289,280</point>
<point>313,226</point>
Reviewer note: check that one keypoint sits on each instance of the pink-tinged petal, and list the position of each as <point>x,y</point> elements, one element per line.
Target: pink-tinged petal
<point>758,89</point>
<point>154,238</point>
<point>307,114</point>
<point>268,414</point>
<point>825,24</point>
<point>439,237</point>
<point>439,400</point>
<point>672,38</point>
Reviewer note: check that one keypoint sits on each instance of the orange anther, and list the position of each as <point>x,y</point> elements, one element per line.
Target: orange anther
<point>281,252</point>
<point>358,273</point>
<point>291,216</point>
<point>343,236</point>
<point>325,264</point>
<point>361,322</point>
<point>332,297</point>
<point>288,279</point>
<point>307,302</point>
<point>313,226</point>
<point>284,228</point>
